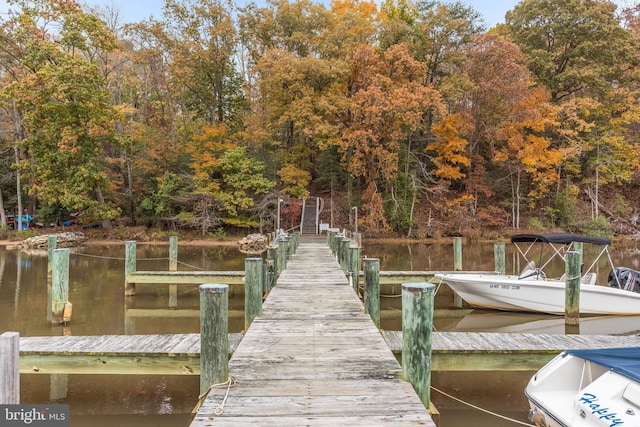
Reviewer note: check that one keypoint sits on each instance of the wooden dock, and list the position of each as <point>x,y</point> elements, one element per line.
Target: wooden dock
<point>179,354</point>
<point>313,358</point>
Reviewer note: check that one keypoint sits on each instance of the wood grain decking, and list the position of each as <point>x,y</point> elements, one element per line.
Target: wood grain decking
<point>313,358</point>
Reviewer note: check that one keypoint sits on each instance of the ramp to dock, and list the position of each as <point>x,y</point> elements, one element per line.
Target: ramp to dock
<point>313,358</point>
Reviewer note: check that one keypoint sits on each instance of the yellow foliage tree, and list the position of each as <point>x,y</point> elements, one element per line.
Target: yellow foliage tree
<point>450,148</point>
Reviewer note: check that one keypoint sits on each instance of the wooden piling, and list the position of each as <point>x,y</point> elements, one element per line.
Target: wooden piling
<point>417,322</point>
<point>173,266</point>
<point>371,268</point>
<point>572,288</point>
<point>354,266</point>
<point>283,245</point>
<point>59,285</point>
<point>272,263</point>
<point>173,253</point>
<point>52,244</point>
<point>499,257</point>
<point>457,266</point>
<point>10,368</point>
<point>252,290</point>
<point>129,266</point>
<point>214,338</point>
<point>344,253</point>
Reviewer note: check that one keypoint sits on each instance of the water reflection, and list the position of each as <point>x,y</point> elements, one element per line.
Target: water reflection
<point>96,289</point>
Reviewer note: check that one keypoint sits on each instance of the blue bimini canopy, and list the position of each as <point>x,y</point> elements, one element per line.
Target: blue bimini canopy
<point>624,361</point>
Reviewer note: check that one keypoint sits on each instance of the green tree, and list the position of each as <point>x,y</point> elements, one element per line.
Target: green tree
<point>64,107</point>
<point>571,46</point>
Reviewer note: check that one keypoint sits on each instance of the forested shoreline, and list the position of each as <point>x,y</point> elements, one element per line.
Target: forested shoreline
<point>414,116</point>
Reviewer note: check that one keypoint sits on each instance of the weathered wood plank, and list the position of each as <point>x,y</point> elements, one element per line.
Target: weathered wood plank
<point>186,277</point>
<point>155,354</point>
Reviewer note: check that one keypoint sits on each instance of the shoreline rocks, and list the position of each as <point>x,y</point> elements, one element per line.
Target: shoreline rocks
<point>64,240</point>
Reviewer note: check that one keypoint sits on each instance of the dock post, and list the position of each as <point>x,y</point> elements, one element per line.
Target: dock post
<point>572,291</point>
<point>129,266</point>
<point>214,335</point>
<point>354,266</point>
<point>252,290</point>
<point>499,257</point>
<point>59,286</point>
<point>371,268</point>
<point>457,266</point>
<point>10,368</point>
<point>52,244</point>
<point>284,251</point>
<point>292,246</point>
<point>344,253</point>
<point>173,266</point>
<point>333,245</point>
<point>272,262</point>
<point>417,322</point>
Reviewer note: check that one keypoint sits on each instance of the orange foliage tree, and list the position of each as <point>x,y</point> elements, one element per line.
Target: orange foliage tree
<point>388,104</point>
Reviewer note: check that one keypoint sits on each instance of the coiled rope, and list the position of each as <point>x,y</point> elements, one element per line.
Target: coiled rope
<point>220,408</point>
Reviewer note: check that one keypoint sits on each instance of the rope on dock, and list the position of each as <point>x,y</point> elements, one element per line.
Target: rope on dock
<point>220,408</point>
<point>495,414</point>
<point>118,258</point>
<point>195,267</point>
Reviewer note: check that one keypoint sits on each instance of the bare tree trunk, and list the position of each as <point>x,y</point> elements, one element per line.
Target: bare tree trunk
<point>130,184</point>
<point>17,125</point>
<point>518,201</point>
<point>596,201</point>
<point>3,215</point>
<point>413,204</point>
<point>106,224</point>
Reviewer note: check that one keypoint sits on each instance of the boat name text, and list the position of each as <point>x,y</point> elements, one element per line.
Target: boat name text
<point>597,409</point>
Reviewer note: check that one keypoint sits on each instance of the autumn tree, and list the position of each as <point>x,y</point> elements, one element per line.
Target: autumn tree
<point>499,82</point>
<point>528,152</point>
<point>65,110</point>
<point>606,151</point>
<point>300,95</point>
<point>226,181</point>
<point>388,105</point>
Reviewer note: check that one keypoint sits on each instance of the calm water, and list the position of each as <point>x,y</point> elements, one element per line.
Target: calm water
<point>99,307</point>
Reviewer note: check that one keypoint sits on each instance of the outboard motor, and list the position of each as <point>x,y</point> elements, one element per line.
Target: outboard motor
<point>625,278</point>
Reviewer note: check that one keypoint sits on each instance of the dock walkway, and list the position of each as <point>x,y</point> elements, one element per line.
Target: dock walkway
<point>313,358</point>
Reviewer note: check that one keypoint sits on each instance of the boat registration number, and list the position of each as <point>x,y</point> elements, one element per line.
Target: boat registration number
<point>508,287</point>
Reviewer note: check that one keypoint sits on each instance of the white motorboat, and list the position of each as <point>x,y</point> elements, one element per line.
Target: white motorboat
<point>587,388</point>
<point>533,291</point>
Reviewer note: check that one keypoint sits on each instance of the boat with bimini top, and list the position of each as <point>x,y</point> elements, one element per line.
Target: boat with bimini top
<point>533,291</point>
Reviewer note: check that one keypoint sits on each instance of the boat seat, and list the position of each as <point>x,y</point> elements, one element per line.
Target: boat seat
<point>589,279</point>
<point>531,272</point>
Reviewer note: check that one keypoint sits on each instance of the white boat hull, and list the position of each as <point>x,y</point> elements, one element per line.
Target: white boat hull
<point>507,292</point>
<point>572,392</point>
